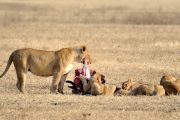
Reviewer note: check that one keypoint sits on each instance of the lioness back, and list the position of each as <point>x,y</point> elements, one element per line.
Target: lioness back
<point>38,62</point>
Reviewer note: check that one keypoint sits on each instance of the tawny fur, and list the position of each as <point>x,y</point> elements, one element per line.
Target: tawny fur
<point>46,63</point>
<point>131,87</point>
<point>170,84</point>
<point>98,88</point>
<point>159,90</point>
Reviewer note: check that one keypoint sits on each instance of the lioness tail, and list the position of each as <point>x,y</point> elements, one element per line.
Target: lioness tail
<point>7,66</point>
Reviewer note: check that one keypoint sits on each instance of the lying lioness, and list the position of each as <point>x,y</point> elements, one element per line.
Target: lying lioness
<point>95,86</point>
<point>98,87</point>
<point>85,87</point>
<point>46,63</point>
<point>170,84</point>
<point>131,87</point>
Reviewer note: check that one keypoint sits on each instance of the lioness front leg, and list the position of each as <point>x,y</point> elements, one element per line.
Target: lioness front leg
<point>61,83</point>
<point>55,81</point>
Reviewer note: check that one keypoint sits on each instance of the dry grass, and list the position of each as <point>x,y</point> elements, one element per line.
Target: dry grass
<point>123,43</point>
<point>159,12</point>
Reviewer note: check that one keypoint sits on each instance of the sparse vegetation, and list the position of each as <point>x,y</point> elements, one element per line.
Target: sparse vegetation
<point>136,39</point>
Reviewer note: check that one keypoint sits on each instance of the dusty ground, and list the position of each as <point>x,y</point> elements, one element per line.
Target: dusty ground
<point>137,40</point>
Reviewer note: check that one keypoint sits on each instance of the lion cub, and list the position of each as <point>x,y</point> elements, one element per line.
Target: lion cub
<point>131,87</point>
<point>170,84</point>
<point>97,86</point>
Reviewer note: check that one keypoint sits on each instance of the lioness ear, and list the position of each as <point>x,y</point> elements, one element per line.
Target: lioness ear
<point>103,76</point>
<point>84,48</point>
<point>94,72</point>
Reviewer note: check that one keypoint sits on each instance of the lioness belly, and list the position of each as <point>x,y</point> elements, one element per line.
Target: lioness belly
<point>41,71</point>
<point>41,65</point>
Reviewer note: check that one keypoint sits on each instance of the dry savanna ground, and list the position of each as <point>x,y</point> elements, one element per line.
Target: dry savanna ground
<point>137,39</point>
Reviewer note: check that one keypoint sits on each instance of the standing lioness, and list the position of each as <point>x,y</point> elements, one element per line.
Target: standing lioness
<point>46,63</point>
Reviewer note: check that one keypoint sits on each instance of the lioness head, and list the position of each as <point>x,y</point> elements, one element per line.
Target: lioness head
<point>127,84</point>
<point>168,77</point>
<point>83,55</point>
<point>170,84</point>
<point>98,78</point>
